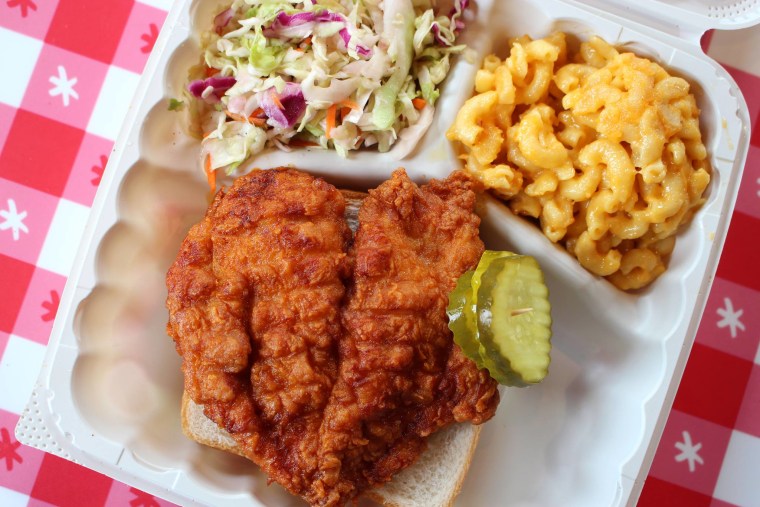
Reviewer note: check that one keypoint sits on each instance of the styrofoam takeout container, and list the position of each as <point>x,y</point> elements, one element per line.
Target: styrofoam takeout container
<point>108,395</point>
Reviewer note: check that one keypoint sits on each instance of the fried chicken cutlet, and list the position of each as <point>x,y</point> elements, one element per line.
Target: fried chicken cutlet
<point>330,392</point>
<point>254,302</point>
<point>401,375</point>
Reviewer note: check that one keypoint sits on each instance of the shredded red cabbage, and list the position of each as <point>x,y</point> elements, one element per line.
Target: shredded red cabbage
<point>220,84</point>
<point>302,25</point>
<point>285,23</point>
<point>436,29</point>
<point>327,16</point>
<point>456,14</point>
<point>292,101</point>
<point>223,19</point>
<point>362,51</point>
<point>456,23</point>
<point>459,7</point>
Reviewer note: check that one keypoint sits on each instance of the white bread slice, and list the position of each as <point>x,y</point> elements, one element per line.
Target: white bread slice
<point>434,480</point>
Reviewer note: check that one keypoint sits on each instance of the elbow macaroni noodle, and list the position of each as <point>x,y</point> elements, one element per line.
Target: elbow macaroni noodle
<point>604,151</point>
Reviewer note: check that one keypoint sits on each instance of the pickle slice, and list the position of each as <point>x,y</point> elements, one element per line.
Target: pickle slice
<point>500,317</point>
<point>487,258</point>
<point>484,359</point>
<point>514,319</point>
<point>463,323</point>
<point>461,312</point>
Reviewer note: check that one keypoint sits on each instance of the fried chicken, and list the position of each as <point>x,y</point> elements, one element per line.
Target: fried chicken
<point>254,302</point>
<point>401,375</point>
<point>329,364</point>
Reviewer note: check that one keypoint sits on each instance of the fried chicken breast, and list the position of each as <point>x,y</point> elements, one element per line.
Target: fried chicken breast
<point>401,375</point>
<point>254,302</point>
<point>329,364</point>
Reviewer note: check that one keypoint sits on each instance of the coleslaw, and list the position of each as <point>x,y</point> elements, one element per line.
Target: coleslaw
<point>335,74</point>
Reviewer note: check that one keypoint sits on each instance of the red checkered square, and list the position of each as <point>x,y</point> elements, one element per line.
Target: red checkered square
<point>739,260</point>
<point>64,86</point>
<point>7,113</point>
<point>658,493</point>
<point>706,39</point>
<point>30,17</point>
<point>19,464</point>
<point>39,152</point>
<point>25,217</point>
<point>691,452</point>
<point>720,503</point>
<point>729,322</point>
<point>88,169</point>
<point>67,484</point>
<point>15,276</point>
<point>713,385</point>
<point>749,414</point>
<point>90,28</point>
<point>35,319</point>
<point>122,495</point>
<point>139,37</point>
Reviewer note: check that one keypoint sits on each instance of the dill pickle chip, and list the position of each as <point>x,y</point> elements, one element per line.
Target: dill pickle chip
<point>463,323</point>
<point>461,312</point>
<point>500,317</point>
<point>500,374</point>
<point>514,319</point>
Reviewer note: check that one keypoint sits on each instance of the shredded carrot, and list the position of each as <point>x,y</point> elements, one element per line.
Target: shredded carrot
<point>330,120</point>
<point>234,116</point>
<point>276,101</point>
<point>344,111</point>
<point>210,71</point>
<point>259,122</point>
<point>258,117</point>
<point>419,103</point>
<point>210,174</point>
<point>307,40</point>
<point>349,104</point>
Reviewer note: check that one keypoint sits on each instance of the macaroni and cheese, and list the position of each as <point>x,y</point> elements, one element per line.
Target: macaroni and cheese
<point>602,148</point>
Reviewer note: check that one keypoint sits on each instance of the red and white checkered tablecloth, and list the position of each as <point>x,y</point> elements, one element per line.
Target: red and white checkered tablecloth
<point>70,68</point>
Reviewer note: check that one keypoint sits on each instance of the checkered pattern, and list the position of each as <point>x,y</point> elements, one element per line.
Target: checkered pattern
<point>75,66</point>
<point>709,453</point>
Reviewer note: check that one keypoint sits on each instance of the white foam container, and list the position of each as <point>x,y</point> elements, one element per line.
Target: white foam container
<point>108,395</point>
